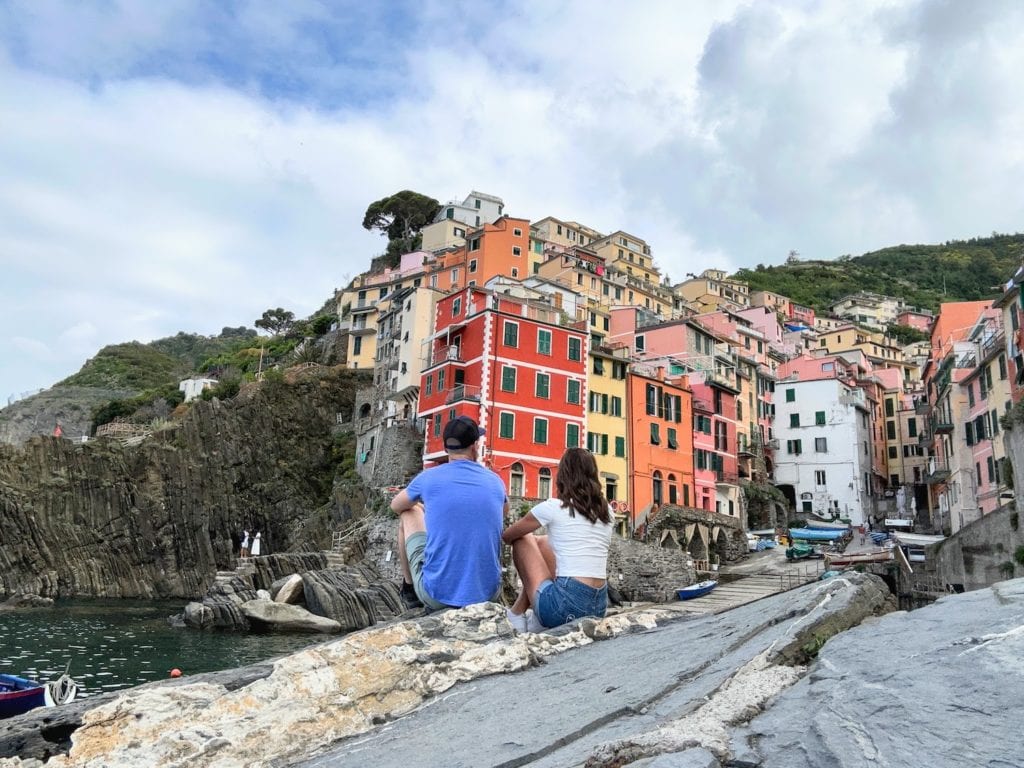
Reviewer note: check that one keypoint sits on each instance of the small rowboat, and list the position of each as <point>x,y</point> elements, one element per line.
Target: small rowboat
<point>19,694</point>
<point>696,590</point>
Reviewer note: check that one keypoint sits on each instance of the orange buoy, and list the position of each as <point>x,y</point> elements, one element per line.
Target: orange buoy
<point>175,672</point>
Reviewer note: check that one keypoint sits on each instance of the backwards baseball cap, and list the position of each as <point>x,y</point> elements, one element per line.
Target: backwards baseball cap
<point>461,432</point>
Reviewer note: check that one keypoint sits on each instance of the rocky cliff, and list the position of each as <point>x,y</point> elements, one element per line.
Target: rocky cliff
<point>158,519</point>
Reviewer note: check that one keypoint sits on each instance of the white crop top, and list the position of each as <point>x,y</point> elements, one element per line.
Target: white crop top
<point>580,546</point>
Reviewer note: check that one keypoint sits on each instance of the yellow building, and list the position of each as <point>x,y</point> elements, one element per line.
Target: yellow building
<point>564,233</point>
<point>607,418</point>
<point>875,346</point>
<point>443,234</point>
<point>712,289</point>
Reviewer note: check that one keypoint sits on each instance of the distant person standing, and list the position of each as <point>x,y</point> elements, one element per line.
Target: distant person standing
<point>256,545</point>
<point>245,545</point>
<point>449,530</point>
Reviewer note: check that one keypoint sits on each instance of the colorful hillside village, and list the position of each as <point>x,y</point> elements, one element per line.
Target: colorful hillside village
<point>552,334</point>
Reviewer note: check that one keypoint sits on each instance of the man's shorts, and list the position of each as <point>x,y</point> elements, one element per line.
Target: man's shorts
<point>415,549</point>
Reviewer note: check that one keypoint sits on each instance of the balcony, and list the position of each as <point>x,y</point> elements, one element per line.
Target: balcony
<point>941,425</point>
<point>726,478</point>
<point>924,438</point>
<point>443,354</point>
<point>923,408</point>
<point>773,444</point>
<point>462,392</point>
<point>938,471</point>
<point>745,450</point>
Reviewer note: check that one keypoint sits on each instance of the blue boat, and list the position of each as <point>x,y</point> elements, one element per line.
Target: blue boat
<point>19,694</point>
<point>696,590</point>
<point>818,534</point>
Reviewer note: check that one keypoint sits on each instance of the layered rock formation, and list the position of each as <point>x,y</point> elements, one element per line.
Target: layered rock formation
<point>158,520</point>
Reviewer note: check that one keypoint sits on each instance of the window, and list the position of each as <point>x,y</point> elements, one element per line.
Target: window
<point>476,202</point>
<point>540,430</point>
<point>508,379</point>
<point>449,213</point>
<point>888,407</point>
<point>357,345</point>
<point>821,445</point>
<point>429,388</point>
<point>517,232</point>
<point>507,425</point>
<point>511,334</point>
<point>793,446</point>
<point>620,447</point>
<point>455,276</point>
<point>458,231</point>
<point>474,244</point>
<point>893,452</point>
<point>673,492</point>
<point>575,348</point>
<point>515,486</point>
<point>437,425</point>
<point>994,420</point>
<point>572,435</point>
<point>970,394</point>
<point>651,399</point>
<point>616,406</point>
<point>440,380</point>
<point>655,435</point>
<point>819,418</point>
<point>598,366</point>
<point>794,419</point>
<point>572,391</point>
<point>543,342</point>
<point>515,272</point>
<point>472,265</point>
<point>890,430</point>
<point>640,343</point>
<point>819,477</point>
<point>790,395</point>
<point>517,251</point>
<point>912,427</point>
<point>1002,366</point>
<point>542,385</point>
<point>673,443</point>
<point>991,469</point>
<point>544,483</point>
<point>656,487</point>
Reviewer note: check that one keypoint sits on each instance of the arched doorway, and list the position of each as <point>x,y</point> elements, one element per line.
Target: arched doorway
<point>516,484</point>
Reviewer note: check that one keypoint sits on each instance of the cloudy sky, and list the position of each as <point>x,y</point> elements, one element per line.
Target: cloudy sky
<point>183,166</point>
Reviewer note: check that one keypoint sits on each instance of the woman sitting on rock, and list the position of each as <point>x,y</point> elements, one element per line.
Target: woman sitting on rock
<point>563,574</point>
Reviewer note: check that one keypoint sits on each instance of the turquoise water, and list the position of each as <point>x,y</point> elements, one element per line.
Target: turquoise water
<point>114,644</point>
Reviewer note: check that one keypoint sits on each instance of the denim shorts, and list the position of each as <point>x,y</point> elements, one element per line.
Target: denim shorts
<point>566,599</point>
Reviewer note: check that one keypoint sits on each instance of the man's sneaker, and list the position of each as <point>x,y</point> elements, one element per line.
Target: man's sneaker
<point>409,597</point>
<point>533,623</point>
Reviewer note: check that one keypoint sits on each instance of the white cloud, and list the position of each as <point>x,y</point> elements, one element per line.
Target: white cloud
<point>147,191</point>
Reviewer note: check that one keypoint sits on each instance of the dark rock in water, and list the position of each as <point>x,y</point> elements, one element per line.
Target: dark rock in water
<point>27,601</point>
<point>356,597</point>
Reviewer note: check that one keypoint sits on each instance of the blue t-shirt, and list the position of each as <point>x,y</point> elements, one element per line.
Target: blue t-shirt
<point>463,503</point>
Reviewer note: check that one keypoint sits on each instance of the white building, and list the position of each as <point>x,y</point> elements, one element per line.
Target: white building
<point>476,210</point>
<point>193,388</point>
<point>824,431</point>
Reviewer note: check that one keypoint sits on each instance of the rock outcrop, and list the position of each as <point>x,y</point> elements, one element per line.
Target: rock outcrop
<point>158,520</point>
<point>730,665</point>
<point>287,618</point>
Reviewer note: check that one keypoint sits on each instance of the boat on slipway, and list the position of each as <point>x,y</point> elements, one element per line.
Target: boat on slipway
<point>696,590</point>
<point>20,694</point>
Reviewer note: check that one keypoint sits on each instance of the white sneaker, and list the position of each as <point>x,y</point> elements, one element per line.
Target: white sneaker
<point>517,620</point>
<point>533,623</point>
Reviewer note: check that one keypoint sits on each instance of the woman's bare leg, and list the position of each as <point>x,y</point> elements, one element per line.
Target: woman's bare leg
<point>533,568</point>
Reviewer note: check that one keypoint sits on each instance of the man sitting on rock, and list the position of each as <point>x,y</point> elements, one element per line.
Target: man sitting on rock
<point>449,529</point>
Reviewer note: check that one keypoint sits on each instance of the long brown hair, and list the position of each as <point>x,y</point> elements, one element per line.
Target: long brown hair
<point>578,487</point>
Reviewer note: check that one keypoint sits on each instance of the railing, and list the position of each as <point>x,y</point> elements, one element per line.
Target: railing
<point>941,424</point>
<point>772,444</point>
<point>726,478</point>
<point>443,354</point>
<point>463,392</point>
<point>922,408</point>
<point>990,345</point>
<point>938,470</point>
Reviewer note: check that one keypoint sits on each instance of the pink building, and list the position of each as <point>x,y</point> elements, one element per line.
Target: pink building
<point>922,321</point>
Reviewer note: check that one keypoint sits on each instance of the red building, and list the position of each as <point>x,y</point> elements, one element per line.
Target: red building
<point>511,365</point>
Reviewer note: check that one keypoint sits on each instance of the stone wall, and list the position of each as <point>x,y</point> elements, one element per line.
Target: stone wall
<point>399,457</point>
<point>981,553</point>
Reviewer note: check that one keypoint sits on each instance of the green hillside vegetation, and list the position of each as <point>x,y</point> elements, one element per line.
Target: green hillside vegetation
<point>923,275</point>
<point>131,366</point>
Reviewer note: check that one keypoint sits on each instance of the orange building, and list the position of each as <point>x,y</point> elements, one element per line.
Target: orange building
<point>660,441</point>
<point>501,248</point>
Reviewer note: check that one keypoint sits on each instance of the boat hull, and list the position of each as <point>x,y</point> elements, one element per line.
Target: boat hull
<point>696,590</point>
<point>21,695</point>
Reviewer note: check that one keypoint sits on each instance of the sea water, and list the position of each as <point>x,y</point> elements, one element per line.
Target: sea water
<point>112,644</point>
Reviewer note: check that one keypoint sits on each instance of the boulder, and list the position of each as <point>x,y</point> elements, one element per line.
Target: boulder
<point>26,601</point>
<point>262,594</point>
<point>355,596</point>
<point>291,591</point>
<point>287,618</point>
